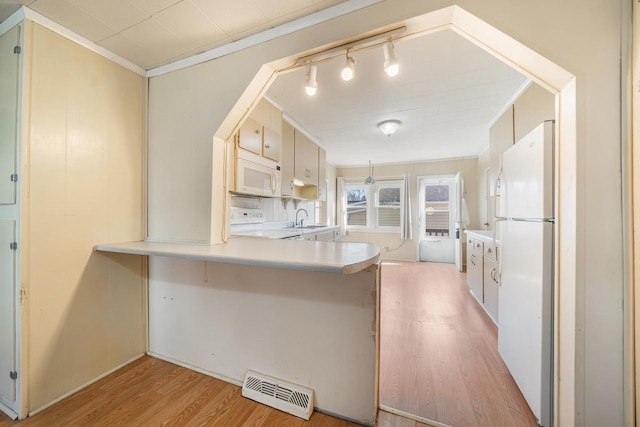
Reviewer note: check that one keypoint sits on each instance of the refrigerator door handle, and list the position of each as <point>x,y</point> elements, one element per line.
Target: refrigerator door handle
<point>496,228</point>
<point>498,188</point>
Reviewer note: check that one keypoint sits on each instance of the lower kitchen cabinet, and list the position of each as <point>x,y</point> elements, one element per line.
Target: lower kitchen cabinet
<point>483,275</point>
<point>491,287</point>
<point>475,268</point>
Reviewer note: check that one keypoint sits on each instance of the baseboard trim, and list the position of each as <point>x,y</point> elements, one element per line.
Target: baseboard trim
<point>413,417</point>
<point>8,411</point>
<point>69,393</point>
<point>195,368</point>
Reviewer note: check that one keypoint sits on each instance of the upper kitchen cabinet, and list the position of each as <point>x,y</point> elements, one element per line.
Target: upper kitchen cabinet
<point>250,136</point>
<point>322,174</point>
<point>287,159</point>
<point>500,139</point>
<point>533,107</point>
<point>261,133</point>
<point>306,159</point>
<point>9,68</point>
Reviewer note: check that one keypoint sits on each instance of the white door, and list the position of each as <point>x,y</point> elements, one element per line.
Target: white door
<point>7,314</point>
<point>525,310</point>
<point>459,191</point>
<point>9,112</point>
<point>437,218</point>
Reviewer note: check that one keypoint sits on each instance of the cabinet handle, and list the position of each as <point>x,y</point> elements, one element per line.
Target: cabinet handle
<point>488,250</point>
<point>495,277</point>
<point>472,257</point>
<point>267,146</point>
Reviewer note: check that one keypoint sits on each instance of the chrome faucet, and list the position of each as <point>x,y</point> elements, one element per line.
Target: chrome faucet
<point>305,212</point>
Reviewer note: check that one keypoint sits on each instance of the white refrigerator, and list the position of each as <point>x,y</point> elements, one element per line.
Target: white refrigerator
<point>525,228</point>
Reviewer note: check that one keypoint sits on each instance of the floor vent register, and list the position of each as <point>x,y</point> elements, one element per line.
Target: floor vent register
<point>284,396</point>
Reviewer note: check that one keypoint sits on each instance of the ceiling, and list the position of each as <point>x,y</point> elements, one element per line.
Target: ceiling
<point>446,94</point>
<point>151,33</point>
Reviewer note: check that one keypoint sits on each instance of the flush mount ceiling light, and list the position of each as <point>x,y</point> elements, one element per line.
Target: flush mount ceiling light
<point>370,179</point>
<point>389,127</point>
<point>391,64</point>
<point>312,84</point>
<point>349,69</point>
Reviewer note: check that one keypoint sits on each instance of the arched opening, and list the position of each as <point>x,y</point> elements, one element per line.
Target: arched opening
<point>566,240</point>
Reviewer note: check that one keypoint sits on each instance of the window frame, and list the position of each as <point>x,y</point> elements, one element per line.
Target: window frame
<point>372,205</point>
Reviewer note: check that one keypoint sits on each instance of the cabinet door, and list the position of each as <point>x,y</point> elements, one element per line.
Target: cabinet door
<point>500,139</point>
<point>533,107</point>
<point>306,159</point>
<point>7,313</point>
<point>287,159</point>
<point>250,136</point>
<point>9,113</point>
<point>475,274</point>
<point>322,174</point>
<point>491,288</point>
<point>271,144</point>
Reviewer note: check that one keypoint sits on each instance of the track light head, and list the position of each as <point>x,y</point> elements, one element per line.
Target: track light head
<point>349,69</point>
<point>312,84</point>
<point>391,64</point>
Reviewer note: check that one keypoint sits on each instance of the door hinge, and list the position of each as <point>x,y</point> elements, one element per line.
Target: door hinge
<point>17,50</point>
<point>13,375</point>
<point>13,245</point>
<point>14,177</point>
<point>23,294</point>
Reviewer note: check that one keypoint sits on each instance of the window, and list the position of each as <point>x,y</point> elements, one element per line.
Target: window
<point>377,206</point>
<point>356,205</point>
<point>388,205</point>
<point>436,209</point>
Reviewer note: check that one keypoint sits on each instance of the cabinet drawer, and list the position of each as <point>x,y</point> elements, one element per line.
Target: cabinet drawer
<point>491,251</point>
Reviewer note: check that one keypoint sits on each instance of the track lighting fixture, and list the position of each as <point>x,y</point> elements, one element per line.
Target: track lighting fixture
<point>349,69</point>
<point>391,65</point>
<point>312,84</point>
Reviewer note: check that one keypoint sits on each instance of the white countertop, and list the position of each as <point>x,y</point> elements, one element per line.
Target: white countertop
<point>331,257</point>
<point>279,232</point>
<point>485,235</point>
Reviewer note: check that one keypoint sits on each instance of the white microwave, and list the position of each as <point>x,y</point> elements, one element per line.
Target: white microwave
<point>257,175</point>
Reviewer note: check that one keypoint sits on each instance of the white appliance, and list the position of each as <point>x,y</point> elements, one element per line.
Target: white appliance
<point>250,223</point>
<point>525,227</point>
<point>256,175</point>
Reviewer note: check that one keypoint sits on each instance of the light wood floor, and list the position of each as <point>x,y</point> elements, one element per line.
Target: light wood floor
<point>439,356</point>
<point>438,361</point>
<point>151,392</point>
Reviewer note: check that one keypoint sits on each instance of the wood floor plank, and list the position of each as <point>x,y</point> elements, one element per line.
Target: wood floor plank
<point>152,392</point>
<point>439,357</point>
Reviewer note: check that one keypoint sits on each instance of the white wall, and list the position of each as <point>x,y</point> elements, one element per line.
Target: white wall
<point>187,106</point>
<point>407,250</point>
<point>82,183</point>
<point>309,328</point>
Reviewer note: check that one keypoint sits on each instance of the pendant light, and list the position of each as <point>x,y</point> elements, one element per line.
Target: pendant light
<point>370,179</point>
<point>349,69</point>
<point>312,84</point>
<point>391,64</point>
